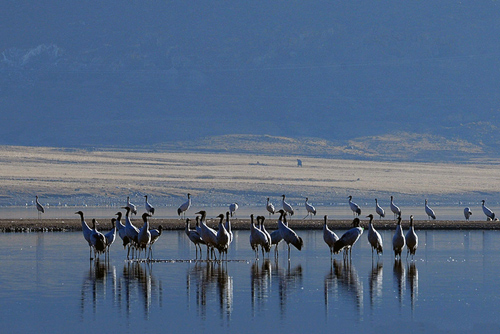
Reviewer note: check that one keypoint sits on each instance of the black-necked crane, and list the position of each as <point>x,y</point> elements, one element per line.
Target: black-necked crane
<point>184,206</point>
<point>39,207</point>
<point>232,208</point>
<point>398,240</point>
<point>348,239</point>
<point>149,208</point>
<point>267,246</point>
<point>97,240</point>
<point>270,207</point>
<point>222,238</point>
<point>490,215</point>
<point>286,206</point>
<point>121,230</point>
<point>86,231</point>
<point>155,235</point>
<point>288,235</point>
<point>257,238</point>
<point>379,210</point>
<point>356,210</point>
<point>394,208</point>
<point>208,234</point>
<point>144,235</point>
<point>411,240</point>
<point>275,240</point>
<point>467,213</point>
<point>227,226</point>
<point>329,236</point>
<point>374,238</point>
<point>131,231</point>
<point>131,206</point>
<point>111,235</point>
<point>253,238</point>
<point>194,237</point>
<point>311,210</point>
<point>429,212</point>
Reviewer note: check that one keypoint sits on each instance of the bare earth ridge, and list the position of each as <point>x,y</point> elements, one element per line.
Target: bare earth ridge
<point>47,225</point>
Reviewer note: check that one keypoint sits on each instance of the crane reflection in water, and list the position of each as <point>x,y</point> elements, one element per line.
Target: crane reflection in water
<point>268,277</point>
<point>136,284</point>
<point>343,278</point>
<point>375,280</point>
<point>210,281</point>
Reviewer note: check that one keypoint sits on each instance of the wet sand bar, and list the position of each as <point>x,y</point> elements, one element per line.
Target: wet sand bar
<point>35,225</point>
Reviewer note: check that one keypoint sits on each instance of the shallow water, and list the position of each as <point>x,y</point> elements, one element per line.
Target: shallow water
<point>49,283</point>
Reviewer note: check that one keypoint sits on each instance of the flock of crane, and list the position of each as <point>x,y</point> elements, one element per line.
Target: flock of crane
<point>137,240</point>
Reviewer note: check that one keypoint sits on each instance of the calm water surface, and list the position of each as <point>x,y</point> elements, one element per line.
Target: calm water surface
<point>48,283</point>
<point>333,211</point>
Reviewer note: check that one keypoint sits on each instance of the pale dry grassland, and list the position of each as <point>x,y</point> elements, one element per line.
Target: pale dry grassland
<point>51,172</point>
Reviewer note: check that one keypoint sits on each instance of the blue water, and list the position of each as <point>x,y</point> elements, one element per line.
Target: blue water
<point>48,283</point>
<point>445,212</point>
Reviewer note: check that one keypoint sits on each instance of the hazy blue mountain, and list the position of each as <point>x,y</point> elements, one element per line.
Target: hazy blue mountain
<point>101,73</point>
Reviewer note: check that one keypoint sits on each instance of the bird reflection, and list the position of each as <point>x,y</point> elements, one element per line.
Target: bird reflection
<point>375,282</point>
<point>288,281</point>
<point>97,280</point>
<point>136,284</point>
<point>331,284</point>
<point>343,275</point>
<point>138,280</point>
<point>211,282</point>
<point>399,278</point>
<point>260,277</point>
<point>413,282</point>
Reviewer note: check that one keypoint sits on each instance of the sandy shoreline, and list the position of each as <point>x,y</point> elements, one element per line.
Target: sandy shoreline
<point>54,225</point>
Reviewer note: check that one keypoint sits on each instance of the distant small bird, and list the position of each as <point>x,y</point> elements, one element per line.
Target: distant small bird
<point>270,207</point>
<point>232,208</point>
<point>356,210</point>
<point>286,206</point>
<point>379,209</point>
<point>398,240</point>
<point>374,238</point>
<point>184,206</point>
<point>429,211</point>
<point>329,236</point>
<point>490,215</point>
<point>149,208</point>
<point>131,206</point>
<point>467,213</point>
<point>311,210</point>
<point>39,207</point>
<point>394,208</point>
<point>411,239</point>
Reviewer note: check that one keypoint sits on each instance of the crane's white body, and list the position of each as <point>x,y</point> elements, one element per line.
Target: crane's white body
<point>394,208</point>
<point>380,211</point>
<point>429,212</point>
<point>398,240</point>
